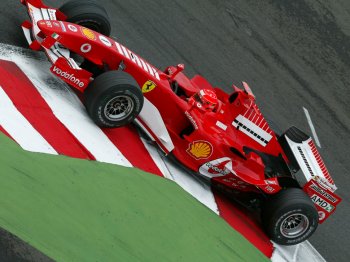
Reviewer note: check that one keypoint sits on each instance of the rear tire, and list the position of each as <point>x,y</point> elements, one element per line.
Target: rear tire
<point>113,99</point>
<point>289,217</point>
<point>87,13</point>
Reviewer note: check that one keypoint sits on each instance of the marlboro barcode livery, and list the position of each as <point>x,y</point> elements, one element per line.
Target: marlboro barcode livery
<point>222,138</point>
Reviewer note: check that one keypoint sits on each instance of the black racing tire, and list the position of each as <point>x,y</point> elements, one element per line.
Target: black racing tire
<point>289,217</point>
<point>87,13</point>
<point>113,99</point>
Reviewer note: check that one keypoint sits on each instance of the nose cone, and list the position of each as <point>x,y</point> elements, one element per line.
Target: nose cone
<point>49,26</point>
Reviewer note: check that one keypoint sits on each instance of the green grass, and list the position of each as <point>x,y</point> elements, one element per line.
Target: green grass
<point>77,210</point>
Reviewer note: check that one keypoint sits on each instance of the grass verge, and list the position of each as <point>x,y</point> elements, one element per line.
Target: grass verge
<point>77,210</point>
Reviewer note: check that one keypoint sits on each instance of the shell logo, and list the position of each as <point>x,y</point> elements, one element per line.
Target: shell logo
<point>200,149</point>
<point>88,33</point>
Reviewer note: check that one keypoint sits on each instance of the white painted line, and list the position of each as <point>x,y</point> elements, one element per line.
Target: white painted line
<point>301,252</point>
<point>312,127</point>
<point>199,190</point>
<point>20,129</point>
<point>66,106</point>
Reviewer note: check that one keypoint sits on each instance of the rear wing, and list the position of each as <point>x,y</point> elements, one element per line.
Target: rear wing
<point>304,155</point>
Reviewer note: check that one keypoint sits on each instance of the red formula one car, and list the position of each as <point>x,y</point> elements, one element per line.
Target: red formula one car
<point>221,137</point>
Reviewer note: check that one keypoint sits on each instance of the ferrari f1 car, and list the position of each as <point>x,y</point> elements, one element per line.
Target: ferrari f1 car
<point>222,137</point>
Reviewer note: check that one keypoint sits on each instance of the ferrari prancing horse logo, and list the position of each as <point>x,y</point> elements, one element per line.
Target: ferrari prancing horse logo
<point>148,86</point>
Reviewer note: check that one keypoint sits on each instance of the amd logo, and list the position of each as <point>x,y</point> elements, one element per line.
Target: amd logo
<point>322,203</point>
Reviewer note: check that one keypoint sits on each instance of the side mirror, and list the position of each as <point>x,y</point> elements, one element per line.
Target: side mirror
<point>179,68</point>
<point>248,91</point>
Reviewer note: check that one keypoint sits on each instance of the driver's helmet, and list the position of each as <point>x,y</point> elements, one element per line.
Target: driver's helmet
<point>206,99</point>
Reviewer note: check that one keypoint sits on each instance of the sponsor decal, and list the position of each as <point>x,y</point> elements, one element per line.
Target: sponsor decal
<point>73,28</point>
<point>221,125</point>
<point>63,27</point>
<point>105,41</point>
<point>321,215</point>
<point>70,77</point>
<point>48,23</point>
<point>200,149</point>
<point>148,86</point>
<point>88,33</point>
<point>252,130</point>
<point>52,14</point>
<point>323,193</point>
<point>235,182</point>
<point>56,24</point>
<point>271,182</point>
<point>269,189</point>
<point>217,167</point>
<point>322,203</point>
<point>305,161</point>
<point>85,48</point>
<point>193,122</point>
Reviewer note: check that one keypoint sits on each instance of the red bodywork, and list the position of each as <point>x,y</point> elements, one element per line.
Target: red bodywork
<point>213,144</point>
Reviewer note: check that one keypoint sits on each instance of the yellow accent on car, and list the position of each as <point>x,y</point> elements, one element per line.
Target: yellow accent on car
<point>88,33</point>
<point>148,86</point>
<point>200,149</point>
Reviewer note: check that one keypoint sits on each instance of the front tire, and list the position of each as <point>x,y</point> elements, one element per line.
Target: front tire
<point>89,14</point>
<point>289,217</point>
<point>113,99</point>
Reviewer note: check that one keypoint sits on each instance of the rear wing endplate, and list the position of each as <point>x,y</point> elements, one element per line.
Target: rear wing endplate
<point>302,152</point>
<point>308,158</point>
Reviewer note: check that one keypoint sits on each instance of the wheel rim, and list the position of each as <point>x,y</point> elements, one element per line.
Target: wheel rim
<point>294,225</point>
<point>119,108</point>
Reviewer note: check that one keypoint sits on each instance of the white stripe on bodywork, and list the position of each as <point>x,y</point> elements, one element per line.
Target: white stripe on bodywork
<point>20,129</point>
<point>154,121</point>
<point>66,107</point>
<point>308,162</point>
<point>301,252</point>
<point>252,130</point>
<point>119,48</point>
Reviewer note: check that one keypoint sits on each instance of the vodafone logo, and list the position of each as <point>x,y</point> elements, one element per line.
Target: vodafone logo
<point>85,48</point>
<point>69,77</point>
<point>73,28</point>
<point>105,41</point>
<point>216,168</point>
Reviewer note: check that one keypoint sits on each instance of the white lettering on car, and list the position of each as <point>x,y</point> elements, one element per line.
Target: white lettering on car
<point>105,41</point>
<point>137,60</point>
<point>69,77</point>
<point>322,203</point>
<point>217,167</point>
<point>193,122</point>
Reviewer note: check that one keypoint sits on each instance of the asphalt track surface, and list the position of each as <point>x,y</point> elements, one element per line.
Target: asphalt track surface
<point>294,54</point>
